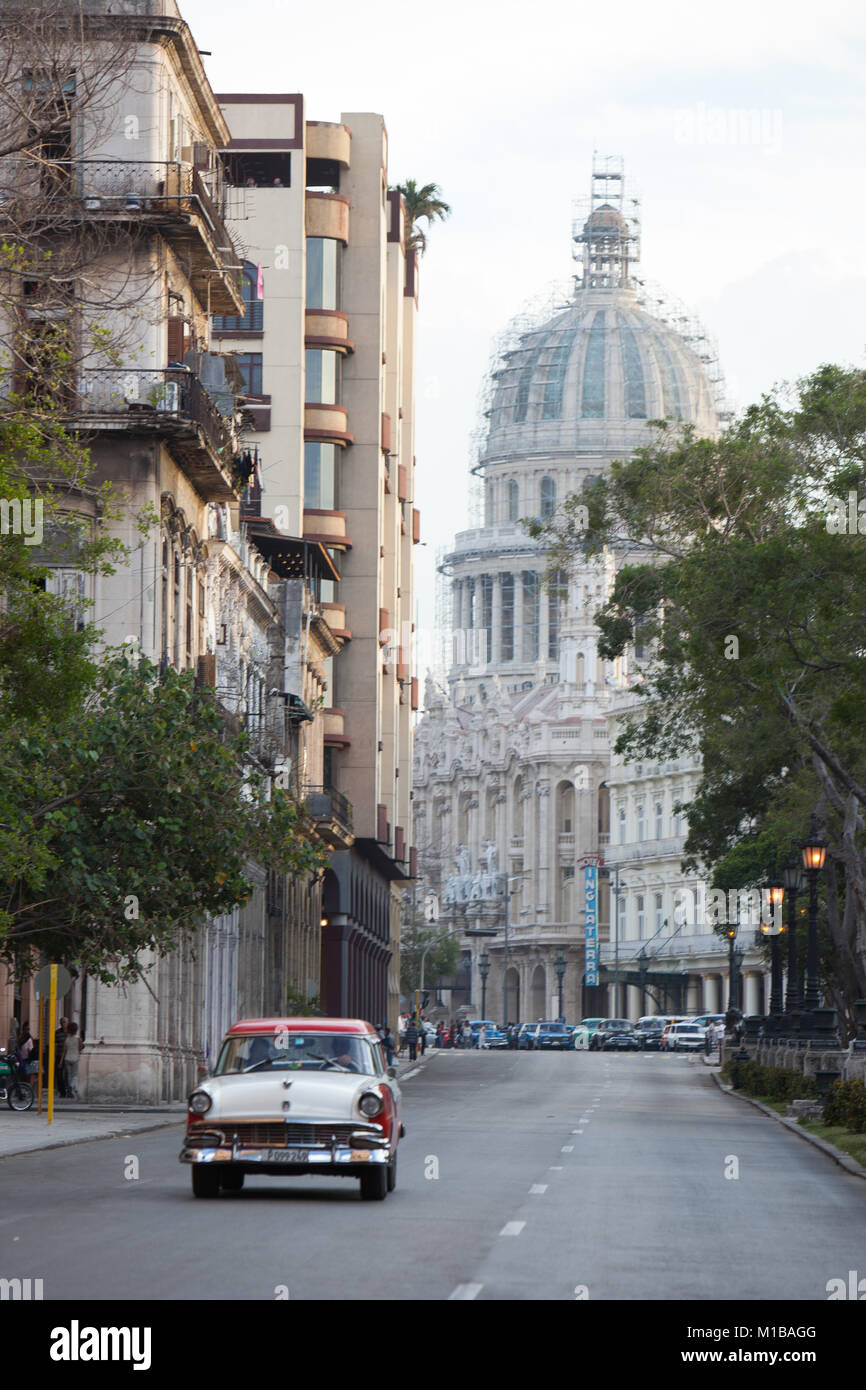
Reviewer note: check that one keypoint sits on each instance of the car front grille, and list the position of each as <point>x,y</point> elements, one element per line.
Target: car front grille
<point>276,1135</point>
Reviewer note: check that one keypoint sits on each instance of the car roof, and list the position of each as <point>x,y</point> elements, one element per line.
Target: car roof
<point>305,1025</point>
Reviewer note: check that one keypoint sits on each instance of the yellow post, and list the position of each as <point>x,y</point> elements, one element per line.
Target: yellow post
<point>52,1007</point>
<point>40,1035</point>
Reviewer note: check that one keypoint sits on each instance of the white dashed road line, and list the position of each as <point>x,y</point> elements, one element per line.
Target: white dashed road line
<point>466,1292</point>
<point>567,1149</point>
<point>512,1228</point>
<point>538,1189</point>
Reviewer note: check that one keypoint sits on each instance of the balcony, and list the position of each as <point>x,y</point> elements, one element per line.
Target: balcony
<point>327,215</point>
<point>331,814</point>
<point>328,140</point>
<point>327,328</point>
<point>335,728</point>
<point>168,196</point>
<point>171,404</point>
<point>326,527</point>
<point>327,424</point>
<point>335,616</point>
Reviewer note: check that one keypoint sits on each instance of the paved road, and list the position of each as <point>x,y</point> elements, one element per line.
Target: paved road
<point>523,1176</point>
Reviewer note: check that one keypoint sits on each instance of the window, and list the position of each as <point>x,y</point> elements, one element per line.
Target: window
<point>548,497</point>
<point>320,476</point>
<point>250,368</point>
<point>324,273</point>
<point>593,371</point>
<point>324,376</point>
<point>659,909</point>
<point>641,824</point>
<point>622,825</point>
<point>253,316</point>
<point>513,501</point>
<point>551,407</point>
<point>660,817</point>
<point>620,916</point>
<point>641,918</point>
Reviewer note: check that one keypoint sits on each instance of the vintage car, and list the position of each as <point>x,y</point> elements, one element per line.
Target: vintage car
<point>296,1095</point>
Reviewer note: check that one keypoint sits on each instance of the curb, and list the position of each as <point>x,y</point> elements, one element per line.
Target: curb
<point>86,1139</point>
<point>838,1156</point>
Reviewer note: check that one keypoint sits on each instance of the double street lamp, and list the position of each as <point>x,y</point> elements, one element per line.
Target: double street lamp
<point>794,879</point>
<point>774,887</point>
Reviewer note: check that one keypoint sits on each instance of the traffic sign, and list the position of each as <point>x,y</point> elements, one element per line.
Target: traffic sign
<point>43,981</point>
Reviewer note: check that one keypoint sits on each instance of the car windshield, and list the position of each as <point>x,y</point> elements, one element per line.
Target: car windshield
<point>305,1051</point>
<point>617,1023</point>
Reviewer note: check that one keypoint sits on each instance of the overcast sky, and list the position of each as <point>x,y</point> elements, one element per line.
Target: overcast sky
<point>743,126</point>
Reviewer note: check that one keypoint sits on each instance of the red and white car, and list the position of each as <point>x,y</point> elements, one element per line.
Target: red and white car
<point>296,1095</point>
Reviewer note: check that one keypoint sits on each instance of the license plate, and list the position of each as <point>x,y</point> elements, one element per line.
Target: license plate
<point>288,1155</point>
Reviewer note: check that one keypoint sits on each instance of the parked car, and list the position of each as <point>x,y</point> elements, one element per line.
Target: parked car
<point>547,1036</point>
<point>524,1032</point>
<point>296,1095</point>
<point>585,1032</point>
<point>687,1037</point>
<point>648,1032</point>
<point>620,1037</point>
<point>671,1023</point>
<point>607,1025</point>
<point>494,1037</point>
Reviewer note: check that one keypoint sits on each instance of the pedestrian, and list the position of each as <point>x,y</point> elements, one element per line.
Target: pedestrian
<point>422,1035</point>
<point>388,1044</point>
<point>482,1037</point>
<point>440,1034</point>
<point>401,1031</point>
<point>719,1035</point>
<point>59,1069</point>
<point>12,1038</point>
<point>411,1036</point>
<point>467,1035</point>
<point>71,1058</point>
<point>452,1034</point>
<point>25,1046</point>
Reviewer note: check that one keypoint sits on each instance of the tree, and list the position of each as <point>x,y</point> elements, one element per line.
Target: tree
<point>442,956</point>
<point>735,568</point>
<point>422,204</point>
<point>126,823</point>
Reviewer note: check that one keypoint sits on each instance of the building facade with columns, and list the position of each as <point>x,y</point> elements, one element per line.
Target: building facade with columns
<point>515,785</point>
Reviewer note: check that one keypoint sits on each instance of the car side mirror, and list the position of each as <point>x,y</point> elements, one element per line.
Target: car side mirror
<point>392,1071</point>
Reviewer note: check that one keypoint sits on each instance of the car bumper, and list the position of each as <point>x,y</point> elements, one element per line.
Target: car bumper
<point>336,1158</point>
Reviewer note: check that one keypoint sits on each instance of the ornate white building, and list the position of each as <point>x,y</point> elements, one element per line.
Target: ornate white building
<point>514,780</point>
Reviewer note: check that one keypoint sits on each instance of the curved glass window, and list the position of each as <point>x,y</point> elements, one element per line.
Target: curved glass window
<point>513,501</point>
<point>551,406</point>
<point>592,407</point>
<point>253,316</point>
<point>320,477</point>
<point>524,382</point>
<point>548,497</point>
<point>635,395</point>
<point>324,376</point>
<point>670,390</point>
<point>324,273</point>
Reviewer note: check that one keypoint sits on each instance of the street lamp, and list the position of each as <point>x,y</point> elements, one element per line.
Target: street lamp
<point>560,967</point>
<point>731,934</point>
<point>814,852</point>
<point>484,967</point>
<point>795,881</point>
<point>774,887</point>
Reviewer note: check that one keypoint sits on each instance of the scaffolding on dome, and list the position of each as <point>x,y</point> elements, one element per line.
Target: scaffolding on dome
<point>606,228</point>
<point>668,309</point>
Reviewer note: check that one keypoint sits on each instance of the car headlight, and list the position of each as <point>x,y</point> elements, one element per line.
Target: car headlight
<point>370,1104</point>
<point>200,1102</point>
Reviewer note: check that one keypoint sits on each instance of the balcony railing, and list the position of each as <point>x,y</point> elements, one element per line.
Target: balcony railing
<point>331,811</point>
<point>71,191</point>
<point>171,401</point>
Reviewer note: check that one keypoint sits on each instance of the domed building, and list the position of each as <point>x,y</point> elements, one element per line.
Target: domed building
<point>514,783</point>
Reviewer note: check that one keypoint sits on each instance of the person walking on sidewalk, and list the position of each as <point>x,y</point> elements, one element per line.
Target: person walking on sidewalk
<point>59,1070</point>
<point>70,1059</point>
<point>411,1036</point>
<point>388,1044</point>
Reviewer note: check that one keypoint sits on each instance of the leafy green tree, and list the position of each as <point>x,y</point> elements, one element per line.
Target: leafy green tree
<point>126,823</point>
<point>442,957</point>
<point>423,203</point>
<point>735,569</point>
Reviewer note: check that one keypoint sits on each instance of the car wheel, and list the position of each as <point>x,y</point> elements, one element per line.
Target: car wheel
<point>205,1181</point>
<point>392,1173</point>
<point>232,1180</point>
<point>374,1184</point>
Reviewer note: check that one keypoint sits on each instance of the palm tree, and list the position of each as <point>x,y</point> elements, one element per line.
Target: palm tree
<point>424,204</point>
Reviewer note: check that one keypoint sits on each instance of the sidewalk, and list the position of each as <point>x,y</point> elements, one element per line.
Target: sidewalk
<point>74,1123</point>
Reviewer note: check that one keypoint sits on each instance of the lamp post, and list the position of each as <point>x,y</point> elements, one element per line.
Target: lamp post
<point>616,889</point>
<point>484,967</point>
<point>814,852</point>
<point>559,966</point>
<point>794,879</point>
<point>775,889</point>
<point>733,964</point>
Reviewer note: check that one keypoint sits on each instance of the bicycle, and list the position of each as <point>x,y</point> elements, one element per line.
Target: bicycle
<point>18,1094</point>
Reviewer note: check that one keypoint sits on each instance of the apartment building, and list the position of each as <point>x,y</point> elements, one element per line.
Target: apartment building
<point>325,347</point>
